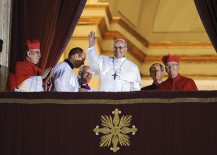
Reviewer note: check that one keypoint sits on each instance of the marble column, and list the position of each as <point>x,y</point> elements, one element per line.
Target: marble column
<point>5,26</point>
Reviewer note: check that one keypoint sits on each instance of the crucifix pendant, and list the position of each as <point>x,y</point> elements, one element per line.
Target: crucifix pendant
<point>114,75</point>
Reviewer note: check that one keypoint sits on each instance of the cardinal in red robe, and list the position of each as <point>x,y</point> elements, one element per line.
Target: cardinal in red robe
<point>28,77</point>
<point>175,81</point>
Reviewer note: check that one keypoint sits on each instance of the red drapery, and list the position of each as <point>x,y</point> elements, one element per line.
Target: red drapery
<point>50,21</point>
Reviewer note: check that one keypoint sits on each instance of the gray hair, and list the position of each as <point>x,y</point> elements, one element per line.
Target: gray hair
<point>120,40</point>
<point>81,69</point>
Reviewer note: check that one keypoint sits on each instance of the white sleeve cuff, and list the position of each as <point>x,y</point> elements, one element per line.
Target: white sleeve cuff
<point>90,49</point>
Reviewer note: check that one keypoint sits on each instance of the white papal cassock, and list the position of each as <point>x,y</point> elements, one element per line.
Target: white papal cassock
<point>116,75</point>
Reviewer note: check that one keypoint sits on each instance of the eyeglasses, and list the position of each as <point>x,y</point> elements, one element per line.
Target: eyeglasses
<point>172,65</point>
<point>87,73</point>
<point>120,47</point>
<point>36,52</point>
<point>83,59</point>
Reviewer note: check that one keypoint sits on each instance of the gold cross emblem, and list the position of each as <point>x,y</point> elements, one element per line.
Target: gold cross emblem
<point>115,130</point>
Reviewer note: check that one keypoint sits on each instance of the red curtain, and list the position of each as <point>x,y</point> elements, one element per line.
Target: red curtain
<point>50,21</point>
<point>207,10</point>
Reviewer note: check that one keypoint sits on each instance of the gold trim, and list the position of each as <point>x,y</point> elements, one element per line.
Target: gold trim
<point>184,58</point>
<point>115,130</point>
<point>180,45</point>
<point>187,75</point>
<point>109,101</point>
<point>97,6</point>
<point>90,20</point>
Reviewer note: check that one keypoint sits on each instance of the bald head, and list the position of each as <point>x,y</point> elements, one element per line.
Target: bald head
<point>86,74</point>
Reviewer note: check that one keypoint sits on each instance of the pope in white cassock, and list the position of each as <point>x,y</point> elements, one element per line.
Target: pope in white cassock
<point>117,73</point>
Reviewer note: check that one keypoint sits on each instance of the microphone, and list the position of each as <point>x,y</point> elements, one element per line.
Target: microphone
<point>79,80</point>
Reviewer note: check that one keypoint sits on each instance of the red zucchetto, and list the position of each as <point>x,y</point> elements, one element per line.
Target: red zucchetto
<point>34,44</point>
<point>170,58</point>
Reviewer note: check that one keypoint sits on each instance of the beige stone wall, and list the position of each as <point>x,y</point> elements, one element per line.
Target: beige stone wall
<point>5,19</point>
<point>198,59</point>
<point>201,71</point>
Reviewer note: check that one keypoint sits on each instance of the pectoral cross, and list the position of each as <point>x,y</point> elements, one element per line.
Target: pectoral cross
<point>114,75</point>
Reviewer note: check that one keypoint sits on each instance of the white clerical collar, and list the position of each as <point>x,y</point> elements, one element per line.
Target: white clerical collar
<point>120,59</point>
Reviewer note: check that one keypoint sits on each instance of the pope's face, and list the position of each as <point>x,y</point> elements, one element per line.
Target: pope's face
<point>119,49</point>
<point>172,68</point>
<point>34,55</point>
